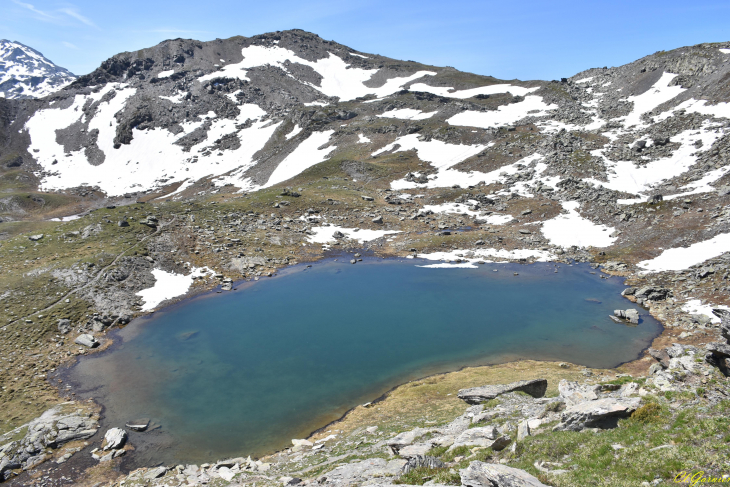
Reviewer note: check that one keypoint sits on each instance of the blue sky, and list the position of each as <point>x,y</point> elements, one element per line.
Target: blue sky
<point>525,40</point>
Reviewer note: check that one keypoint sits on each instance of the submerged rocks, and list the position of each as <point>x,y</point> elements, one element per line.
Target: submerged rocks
<point>479,474</point>
<point>476,395</point>
<point>138,424</point>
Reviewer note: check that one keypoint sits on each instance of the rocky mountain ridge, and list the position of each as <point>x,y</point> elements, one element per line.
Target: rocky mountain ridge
<point>26,73</point>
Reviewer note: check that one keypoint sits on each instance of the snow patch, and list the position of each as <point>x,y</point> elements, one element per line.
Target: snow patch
<point>630,178</point>
<point>656,95</point>
<point>151,159</point>
<point>338,78</point>
<point>165,74</point>
<point>175,98</point>
<point>573,229</point>
<point>695,307</point>
<point>324,234</point>
<point>408,114</point>
<point>362,139</point>
<point>294,132</point>
<point>306,155</point>
<point>482,90</point>
<point>168,285</point>
<point>439,154</point>
<point>681,258</point>
<point>469,258</point>
<point>504,115</point>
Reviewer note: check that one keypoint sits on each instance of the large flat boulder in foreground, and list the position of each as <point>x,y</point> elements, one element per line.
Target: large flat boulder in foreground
<point>477,395</point>
<point>602,413</point>
<point>479,474</point>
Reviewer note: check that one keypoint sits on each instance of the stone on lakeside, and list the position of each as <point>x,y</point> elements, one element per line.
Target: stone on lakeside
<point>476,395</point>
<point>631,315</point>
<point>114,438</point>
<point>155,473</point>
<point>601,413</point>
<point>86,340</point>
<point>480,474</point>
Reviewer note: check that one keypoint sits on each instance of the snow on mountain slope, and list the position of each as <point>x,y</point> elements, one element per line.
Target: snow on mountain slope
<point>254,112</point>
<point>26,73</point>
<point>337,77</point>
<point>152,158</point>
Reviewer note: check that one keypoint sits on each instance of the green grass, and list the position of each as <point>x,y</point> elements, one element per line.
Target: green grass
<point>699,441</point>
<point>421,475</point>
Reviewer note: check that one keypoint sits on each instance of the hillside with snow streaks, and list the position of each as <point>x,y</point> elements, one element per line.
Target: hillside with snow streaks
<point>188,118</point>
<point>26,73</point>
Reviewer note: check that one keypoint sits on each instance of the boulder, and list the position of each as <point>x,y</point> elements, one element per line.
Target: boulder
<point>575,393</point>
<point>660,355</point>
<point>652,293</point>
<point>64,326</point>
<point>721,350</point>
<point>487,436</point>
<point>477,395</point>
<point>418,461</point>
<point>479,474</point>
<point>404,439</point>
<point>601,413</point>
<point>417,449</point>
<point>86,340</point>
<point>523,430</point>
<point>630,315</point>
<point>155,473</point>
<point>114,438</point>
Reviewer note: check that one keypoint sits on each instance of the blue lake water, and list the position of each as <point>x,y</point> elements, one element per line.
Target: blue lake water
<point>244,372</point>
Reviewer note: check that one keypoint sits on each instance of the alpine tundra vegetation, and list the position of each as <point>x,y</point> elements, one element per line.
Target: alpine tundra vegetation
<point>203,167</point>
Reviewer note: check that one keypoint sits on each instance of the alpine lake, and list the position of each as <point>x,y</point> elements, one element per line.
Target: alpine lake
<point>243,372</point>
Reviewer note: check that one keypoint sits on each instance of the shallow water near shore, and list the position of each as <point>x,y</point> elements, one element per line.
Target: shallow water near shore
<point>244,372</point>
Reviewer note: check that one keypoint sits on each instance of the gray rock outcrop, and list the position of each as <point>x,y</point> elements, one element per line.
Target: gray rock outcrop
<point>601,413</point>
<point>52,429</point>
<point>479,474</point>
<point>476,395</point>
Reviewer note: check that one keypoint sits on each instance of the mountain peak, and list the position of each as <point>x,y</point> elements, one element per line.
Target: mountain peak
<point>26,73</point>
